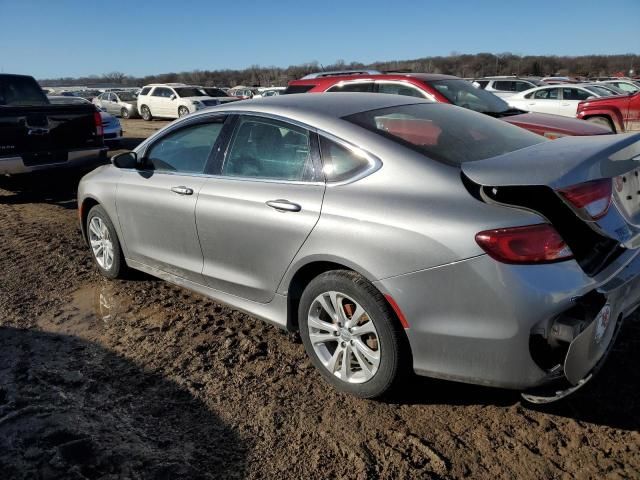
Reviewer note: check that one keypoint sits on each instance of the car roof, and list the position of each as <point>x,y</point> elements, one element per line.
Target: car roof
<point>320,107</point>
<point>379,76</point>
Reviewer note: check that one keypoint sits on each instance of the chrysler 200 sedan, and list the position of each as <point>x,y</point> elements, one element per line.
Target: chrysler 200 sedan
<point>394,233</point>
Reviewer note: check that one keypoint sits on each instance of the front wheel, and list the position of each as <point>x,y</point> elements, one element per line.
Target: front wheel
<point>351,334</point>
<point>146,113</point>
<point>105,247</point>
<point>124,113</point>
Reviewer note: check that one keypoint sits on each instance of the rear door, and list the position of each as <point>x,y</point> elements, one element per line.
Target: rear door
<point>256,213</point>
<point>363,86</point>
<point>546,100</point>
<point>571,97</point>
<point>156,204</point>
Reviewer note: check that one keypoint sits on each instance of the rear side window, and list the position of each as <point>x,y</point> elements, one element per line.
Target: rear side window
<point>362,87</point>
<point>297,89</point>
<point>340,163</point>
<point>269,149</point>
<point>185,150</point>
<point>399,89</point>
<point>161,92</point>
<point>145,91</point>
<point>18,90</point>
<point>547,94</point>
<point>447,134</point>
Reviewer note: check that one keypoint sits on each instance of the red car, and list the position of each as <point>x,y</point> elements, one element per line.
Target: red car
<point>444,89</point>
<point>620,113</point>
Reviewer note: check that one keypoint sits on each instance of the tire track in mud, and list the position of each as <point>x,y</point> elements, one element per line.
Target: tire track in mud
<point>263,392</point>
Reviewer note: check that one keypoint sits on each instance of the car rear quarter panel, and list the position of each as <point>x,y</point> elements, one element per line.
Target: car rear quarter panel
<point>411,214</point>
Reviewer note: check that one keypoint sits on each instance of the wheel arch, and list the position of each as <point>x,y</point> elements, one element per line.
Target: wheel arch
<point>87,204</point>
<point>305,273</point>
<point>615,120</point>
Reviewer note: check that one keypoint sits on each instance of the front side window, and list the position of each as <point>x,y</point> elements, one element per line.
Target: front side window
<point>522,86</point>
<point>269,149</point>
<point>574,94</point>
<point>362,87</point>
<point>449,135</point>
<point>161,92</point>
<point>626,87</point>
<point>189,92</point>
<point>185,150</point>
<point>481,83</point>
<point>399,89</point>
<point>547,94</point>
<point>340,163</point>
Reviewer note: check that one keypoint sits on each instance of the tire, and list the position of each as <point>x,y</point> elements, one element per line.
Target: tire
<point>98,222</point>
<point>182,111</point>
<point>603,121</point>
<point>145,113</point>
<point>389,339</point>
<point>124,113</point>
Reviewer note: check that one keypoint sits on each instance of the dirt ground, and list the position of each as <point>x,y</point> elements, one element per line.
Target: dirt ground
<point>139,379</point>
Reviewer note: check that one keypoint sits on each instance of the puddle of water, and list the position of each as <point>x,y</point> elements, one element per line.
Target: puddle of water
<point>90,311</point>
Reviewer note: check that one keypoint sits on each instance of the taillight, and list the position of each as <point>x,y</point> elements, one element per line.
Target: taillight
<point>592,199</point>
<point>97,120</point>
<point>530,244</point>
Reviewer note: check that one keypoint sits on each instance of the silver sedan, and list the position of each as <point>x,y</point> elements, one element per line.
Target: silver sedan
<point>119,103</point>
<point>395,234</point>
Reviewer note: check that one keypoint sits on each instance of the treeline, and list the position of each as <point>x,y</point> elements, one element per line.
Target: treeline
<point>462,65</point>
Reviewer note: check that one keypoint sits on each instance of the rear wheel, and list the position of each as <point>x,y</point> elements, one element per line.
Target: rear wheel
<point>351,334</point>
<point>182,111</point>
<point>146,113</point>
<point>104,244</point>
<point>604,121</point>
<point>124,113</point>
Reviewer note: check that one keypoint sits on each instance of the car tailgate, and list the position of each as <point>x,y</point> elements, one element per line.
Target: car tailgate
<point>46,133</point>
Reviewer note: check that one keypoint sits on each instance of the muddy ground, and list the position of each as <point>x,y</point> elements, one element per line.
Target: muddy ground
<point>140,379</point>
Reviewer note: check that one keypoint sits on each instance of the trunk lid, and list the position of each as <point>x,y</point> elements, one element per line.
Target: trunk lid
<point>532,178</point>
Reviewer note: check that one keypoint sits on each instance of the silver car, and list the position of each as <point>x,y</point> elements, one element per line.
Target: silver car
<point>395,234</point>
<point>120,103</point>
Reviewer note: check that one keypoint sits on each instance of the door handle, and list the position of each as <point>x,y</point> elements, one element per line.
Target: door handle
<point>566,104</point>
<point>284,205</point>
<point>181,190</point>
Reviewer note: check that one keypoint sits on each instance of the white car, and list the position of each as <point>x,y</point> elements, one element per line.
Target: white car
<point>505,86</point>
<point>172,100</point>
<point>628,86</point>
<point>556,99</point>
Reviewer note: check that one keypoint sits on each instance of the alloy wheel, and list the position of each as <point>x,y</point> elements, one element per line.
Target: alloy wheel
<point>101,243</point>
<point>344,337</point>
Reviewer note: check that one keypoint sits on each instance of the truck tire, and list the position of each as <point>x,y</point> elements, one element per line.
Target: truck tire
<point>603,121</point>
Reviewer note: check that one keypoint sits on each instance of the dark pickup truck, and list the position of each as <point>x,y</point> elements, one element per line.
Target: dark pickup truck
<point>35,135</point>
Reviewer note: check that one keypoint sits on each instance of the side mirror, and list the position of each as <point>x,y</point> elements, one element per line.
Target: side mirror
<point>591,97</point>
<point>125,160</point>
<point>172,97</point>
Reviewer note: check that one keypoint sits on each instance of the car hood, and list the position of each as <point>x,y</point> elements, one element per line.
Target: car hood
<point>542,123</point>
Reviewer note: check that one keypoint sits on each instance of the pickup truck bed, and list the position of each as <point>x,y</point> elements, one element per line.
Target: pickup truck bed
<point>35,135</point>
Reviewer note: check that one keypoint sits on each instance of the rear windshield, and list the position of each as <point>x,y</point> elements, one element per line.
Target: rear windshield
<point>446,133</point>
<point>189,92</point>
<point>297,89</point>
<point>21,91</point>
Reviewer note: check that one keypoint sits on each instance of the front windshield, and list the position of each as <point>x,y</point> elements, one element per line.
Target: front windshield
<point>464,94</point>
<point>603,92</point>
<point>126,96</point>
<point>189,92</point>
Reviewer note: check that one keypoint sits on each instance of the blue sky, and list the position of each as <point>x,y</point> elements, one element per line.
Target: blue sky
<point>71,38</point>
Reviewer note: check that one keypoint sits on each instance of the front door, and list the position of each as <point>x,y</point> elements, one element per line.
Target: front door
<point>156,204</point>
<point>255,215</point>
